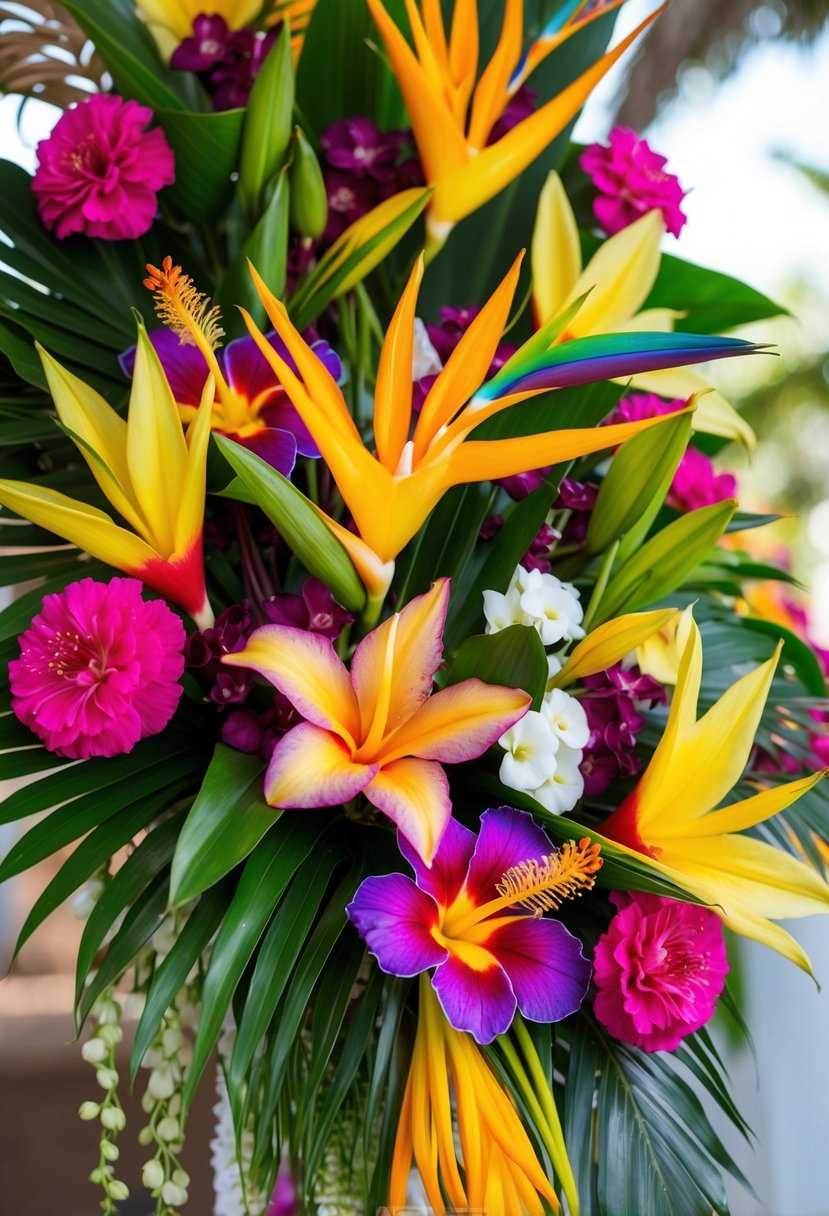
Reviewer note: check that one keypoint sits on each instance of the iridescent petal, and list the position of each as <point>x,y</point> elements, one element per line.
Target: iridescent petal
<point>447,874</point>
<point>479,1002</point>
<point>395,918</point>
<point>507,838</point>
<point>546,967</point>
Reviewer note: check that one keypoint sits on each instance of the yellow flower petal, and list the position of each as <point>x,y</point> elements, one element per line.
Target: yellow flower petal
<point>619,277</point>
<point>556,251</point>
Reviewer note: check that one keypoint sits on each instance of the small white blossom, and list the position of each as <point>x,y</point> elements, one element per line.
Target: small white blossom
<point>152,1175</point>
<point>562,790</point>
<point>425,359</point>
<point>501,611</point>
<point>552,607</point>
<point>531,750</point>
<point>95,1051</point>
<point>566,718</point>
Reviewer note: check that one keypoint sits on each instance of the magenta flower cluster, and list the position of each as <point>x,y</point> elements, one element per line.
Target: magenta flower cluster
<point>612,703</point>
<point>362,167</point>
<point>99,668</point>
<point>658,970</point>
<point>100,170</point>
<point>630,180</point>
<point>228,61</point>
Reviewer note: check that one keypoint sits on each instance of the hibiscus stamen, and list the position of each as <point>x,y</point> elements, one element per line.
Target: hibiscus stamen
<point>182,308</point>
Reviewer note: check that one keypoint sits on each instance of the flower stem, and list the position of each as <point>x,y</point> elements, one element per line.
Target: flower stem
<point>553,1122</point>
<point>605,571</point>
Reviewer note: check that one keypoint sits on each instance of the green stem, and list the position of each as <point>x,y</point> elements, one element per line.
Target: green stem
<point>312,476</point>
<point>601,584</point>
<point>525,1085</point>
<point>551,1116</point>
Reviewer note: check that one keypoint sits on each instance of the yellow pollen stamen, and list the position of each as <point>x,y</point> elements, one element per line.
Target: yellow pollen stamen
<point>539,884</point>
<point>186,312</point>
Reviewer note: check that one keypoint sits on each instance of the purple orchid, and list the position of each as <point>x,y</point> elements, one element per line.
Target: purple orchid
<point>314,609</point>
<point>462,916</point>
<point>251,405</point>
<point>228,60</point>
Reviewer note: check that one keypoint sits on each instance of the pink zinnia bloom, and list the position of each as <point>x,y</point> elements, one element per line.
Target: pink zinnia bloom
<point>630,179</point>
<point>98,669</point>
<point>99,171</point>
<point>658,969</point>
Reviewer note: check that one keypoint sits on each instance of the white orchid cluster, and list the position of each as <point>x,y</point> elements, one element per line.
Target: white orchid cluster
<point>99,1051</point>
<point>545,748</point>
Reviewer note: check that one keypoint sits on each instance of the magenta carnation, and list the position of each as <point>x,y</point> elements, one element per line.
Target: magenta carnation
<point>658,969</point>
<point>98,669</point>
<point>99,171</point>
<point>630,179</point>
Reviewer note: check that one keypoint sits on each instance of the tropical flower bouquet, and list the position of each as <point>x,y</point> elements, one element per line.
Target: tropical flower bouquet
<point>388,600</point>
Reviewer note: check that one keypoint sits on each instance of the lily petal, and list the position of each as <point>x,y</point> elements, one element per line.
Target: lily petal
<point>306,669</point>
<point>415,796</point>
<point>311,767</point>
<point>458,723</point>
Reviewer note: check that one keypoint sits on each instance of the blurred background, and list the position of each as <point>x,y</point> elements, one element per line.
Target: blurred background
<point>736,94</point>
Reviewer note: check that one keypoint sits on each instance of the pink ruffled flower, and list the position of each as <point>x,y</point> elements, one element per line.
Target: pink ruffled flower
<point>631,180</point>
<point>659,970</point>
<point>98,669</point>
<point>99,172</point>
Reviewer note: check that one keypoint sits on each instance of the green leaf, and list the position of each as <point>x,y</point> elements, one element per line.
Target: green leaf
<point>795,652</point>
<point>267,872</point>
<point>310,967</point>
<point>206,148</point>
<point>636,483</point>
<point>514,657</point>
<point>268,123</point>
<point>298,523</point>
<point>227,820</point>
<point>143,864</point>
<point>144,918</point>
<point>444,545</point>
<point>127,49</point>
<point>280,949</point>
<point>168,978</point>
<point>353,256</point>
<point>662,564</point>
<point>500,557</point>
<point>712,302</point>
<point>267,249</point>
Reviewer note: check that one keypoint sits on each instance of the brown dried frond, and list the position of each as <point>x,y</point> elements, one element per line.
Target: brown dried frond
<point>44,53</point>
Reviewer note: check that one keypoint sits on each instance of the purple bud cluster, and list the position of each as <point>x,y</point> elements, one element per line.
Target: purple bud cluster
<point>613,702</point>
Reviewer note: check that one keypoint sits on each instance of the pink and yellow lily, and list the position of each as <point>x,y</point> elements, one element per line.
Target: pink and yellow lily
<point>390,492</point>
<point>376,730</point>
<point>670,819</point>
<point>152,474</point>
<point>453,114</point>
<point>616,282</point>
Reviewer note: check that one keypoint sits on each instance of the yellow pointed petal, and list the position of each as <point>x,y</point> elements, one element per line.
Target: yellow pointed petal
<point>751,875</point>
<point>88,528</point>
<point>393,389</point>
<point>649,321</point>
<point>488,460</point>
<point>467,366</point>
<point>619,277</point>
<point>714,415</point>
<point>94,421</point>
<point>462,191</point>
<point>609,643</point>
<point>751,811</point>
<point>374,571</point>
<point>193,488</point>
<point>305,668</point>
<point>156,448</point>
<point>491,94</point>
<point>440,141</point>
<point>543,47</point>
<point>710,756</point>
<point>464,43</point>
<point>658,655</point>
<point>556,252</point>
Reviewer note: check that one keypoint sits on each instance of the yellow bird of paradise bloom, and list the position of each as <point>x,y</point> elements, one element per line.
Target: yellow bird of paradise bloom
<point>152,473</point>
<point>617,280</point>
<point>670,819</point>
<point>453,115</point>
<point>392,490</point>
<point>501,1170</point>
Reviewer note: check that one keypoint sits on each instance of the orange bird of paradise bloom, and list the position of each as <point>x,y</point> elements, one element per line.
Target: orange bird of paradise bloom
<point>453,114</point>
